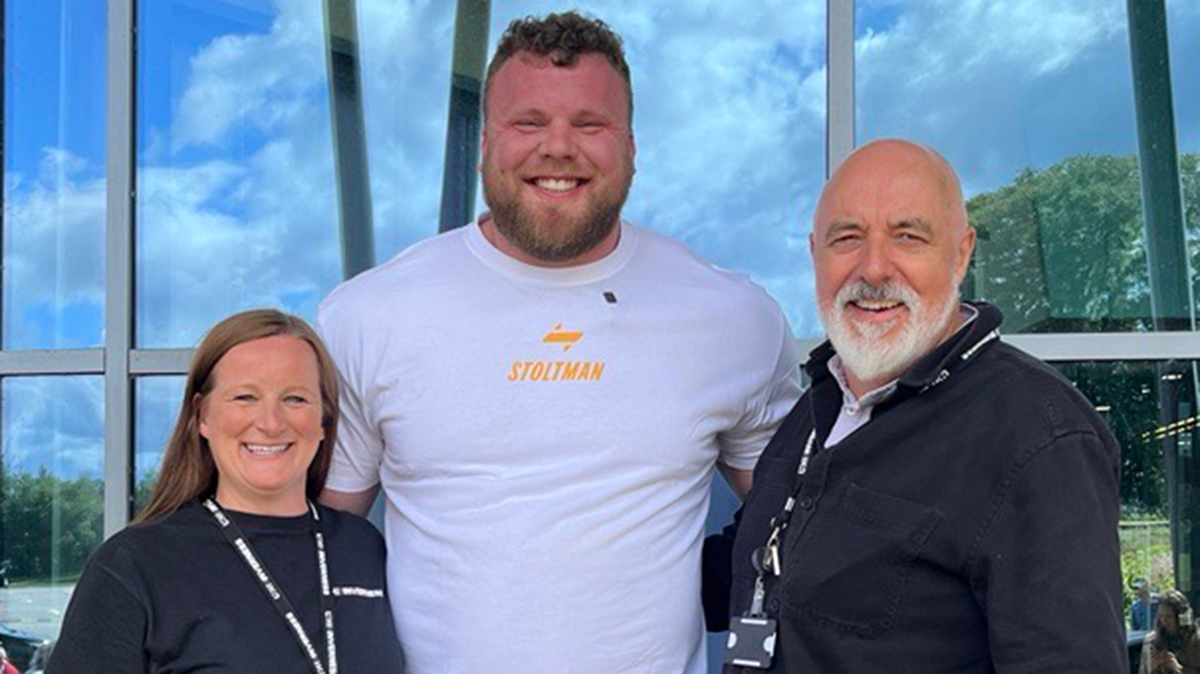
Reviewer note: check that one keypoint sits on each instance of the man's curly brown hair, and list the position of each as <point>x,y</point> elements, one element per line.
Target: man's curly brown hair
<point>563,38</point>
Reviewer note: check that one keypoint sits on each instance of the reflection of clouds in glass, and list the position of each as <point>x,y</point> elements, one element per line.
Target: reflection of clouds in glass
<point>54,252</point>
<point>255,223</point>
<point>238,202</point>
<point>156,405</point>
<point>56,423</point>
<point>998,86</point>
<point>1183,26</point>
<point>262,81</point>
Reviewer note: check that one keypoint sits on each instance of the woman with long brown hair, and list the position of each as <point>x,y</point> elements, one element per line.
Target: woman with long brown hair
<point>232,566</point>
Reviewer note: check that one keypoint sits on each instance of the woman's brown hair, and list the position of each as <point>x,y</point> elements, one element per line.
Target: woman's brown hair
<point>188,471</point>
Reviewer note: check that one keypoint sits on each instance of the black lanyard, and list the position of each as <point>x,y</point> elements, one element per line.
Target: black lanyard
<point>238,540</point>
<point>766,559</point>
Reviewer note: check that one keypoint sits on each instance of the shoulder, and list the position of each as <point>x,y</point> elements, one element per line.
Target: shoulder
<point>1033,405</point>
<point>149,547</point>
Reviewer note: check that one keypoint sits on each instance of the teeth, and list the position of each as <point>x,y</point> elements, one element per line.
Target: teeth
<point>265,450</point>
<point>877,305</point>
<point>557,184</point>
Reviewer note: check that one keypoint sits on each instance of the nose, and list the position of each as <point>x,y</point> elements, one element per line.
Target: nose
<point>559,140</point>
<point>270,419</point>
<point>875,265</point>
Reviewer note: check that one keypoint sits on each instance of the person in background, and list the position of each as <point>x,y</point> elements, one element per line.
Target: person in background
<point>7,667</point>
<point>1174,646</point>
<point>1144,606</point>
<point>231,566</point>
<point>935,489</point>
<point>544,393</point>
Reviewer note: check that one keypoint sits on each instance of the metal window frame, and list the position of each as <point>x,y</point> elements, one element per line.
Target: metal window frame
<point>119,362</point>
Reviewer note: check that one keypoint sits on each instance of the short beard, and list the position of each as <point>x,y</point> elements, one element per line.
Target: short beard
<point>864,350</point>
<point>522,229</point>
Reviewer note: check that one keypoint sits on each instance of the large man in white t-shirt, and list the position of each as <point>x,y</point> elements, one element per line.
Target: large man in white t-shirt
<point>544,393</point>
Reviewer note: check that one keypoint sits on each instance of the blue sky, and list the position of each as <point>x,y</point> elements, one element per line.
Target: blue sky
<point>237,202</point>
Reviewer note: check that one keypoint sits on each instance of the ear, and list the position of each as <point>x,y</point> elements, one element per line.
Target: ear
<point>483,147</point>
<point>966,248</point>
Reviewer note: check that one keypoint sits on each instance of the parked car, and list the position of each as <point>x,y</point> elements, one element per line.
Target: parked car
<point>21,646</point>
<point>41,657</point>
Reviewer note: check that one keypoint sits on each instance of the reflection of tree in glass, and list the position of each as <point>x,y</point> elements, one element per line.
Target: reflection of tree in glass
<point>1127,395</point>
<point>51,524</point>
<point>1061,249</point>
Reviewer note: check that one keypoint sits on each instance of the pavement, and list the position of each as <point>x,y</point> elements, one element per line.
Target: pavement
<point>36,609</point>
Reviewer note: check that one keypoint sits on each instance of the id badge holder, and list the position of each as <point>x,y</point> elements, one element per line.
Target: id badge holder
<point>752,636</point>
<point>751,642</point>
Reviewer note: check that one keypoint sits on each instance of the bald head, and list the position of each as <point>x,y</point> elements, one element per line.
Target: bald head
<point>882,161</point>
<point>890,245</point>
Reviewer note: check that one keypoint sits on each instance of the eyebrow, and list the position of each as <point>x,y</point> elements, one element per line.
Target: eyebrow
<point>839,226</point>
<point>912,224</point>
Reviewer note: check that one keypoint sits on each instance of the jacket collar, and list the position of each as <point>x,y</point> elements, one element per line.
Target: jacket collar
<point>934,367</point>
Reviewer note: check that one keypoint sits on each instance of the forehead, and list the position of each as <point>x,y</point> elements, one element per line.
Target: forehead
<point>528,81</point>
<point>277,356</point>
<point>883,193</point>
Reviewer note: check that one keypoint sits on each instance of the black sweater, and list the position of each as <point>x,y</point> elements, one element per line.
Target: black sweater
<point>174,596</point>
<point>970,526</point>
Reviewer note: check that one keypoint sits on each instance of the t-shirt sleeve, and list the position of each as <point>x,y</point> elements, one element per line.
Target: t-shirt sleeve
<point>359,449</point>
<point>775,397</point>
<point>104,630</point>
<point>1047,572</point>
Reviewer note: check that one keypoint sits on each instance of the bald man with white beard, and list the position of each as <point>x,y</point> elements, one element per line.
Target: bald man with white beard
<point>938,501</point>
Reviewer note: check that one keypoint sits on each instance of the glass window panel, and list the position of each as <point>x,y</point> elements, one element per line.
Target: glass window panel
<point>51,481</point>
<point>1039,122</point>
<point>730,125</point>
<point>156,406</point>
<point>1183,27</point>
<point>54,170</point>
<point>237,204</point>
<point>406,54</point>
<point>1151,409</point>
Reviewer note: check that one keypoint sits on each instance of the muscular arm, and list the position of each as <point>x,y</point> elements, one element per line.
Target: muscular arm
<point>740,481</point>
<point>357,502</point>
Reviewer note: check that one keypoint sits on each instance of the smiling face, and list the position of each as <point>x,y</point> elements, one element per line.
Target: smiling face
<point>262,420</point>
<point>557,159</point>
<point>890,246</point>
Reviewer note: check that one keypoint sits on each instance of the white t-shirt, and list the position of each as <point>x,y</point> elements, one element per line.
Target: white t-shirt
<point>546,440</point>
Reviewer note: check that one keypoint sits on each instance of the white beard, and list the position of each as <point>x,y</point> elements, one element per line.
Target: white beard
<point>864,350</point>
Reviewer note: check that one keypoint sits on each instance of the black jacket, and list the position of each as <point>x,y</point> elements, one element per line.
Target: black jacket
<point>970,526</point>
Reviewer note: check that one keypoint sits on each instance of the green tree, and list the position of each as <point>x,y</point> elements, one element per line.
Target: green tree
<point>1062,249</point>
<point>51,525</point>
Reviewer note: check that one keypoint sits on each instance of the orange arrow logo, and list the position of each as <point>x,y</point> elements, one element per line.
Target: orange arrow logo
<point>565,337</point>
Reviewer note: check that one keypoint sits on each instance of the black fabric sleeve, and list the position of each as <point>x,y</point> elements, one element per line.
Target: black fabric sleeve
<point>104,629</point>
<point>1047,571</point>
<point>716,576</point>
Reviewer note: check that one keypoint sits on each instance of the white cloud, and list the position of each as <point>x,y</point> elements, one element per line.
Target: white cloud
<point>54,255</point>
<point>996,86</point>
<point>56,423</point>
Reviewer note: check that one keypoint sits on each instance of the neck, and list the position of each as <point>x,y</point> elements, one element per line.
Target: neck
<point>284,505</point>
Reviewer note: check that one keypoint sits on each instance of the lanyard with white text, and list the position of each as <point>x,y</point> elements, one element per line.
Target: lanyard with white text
<point>275,593</point>
<point>766,559</point>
